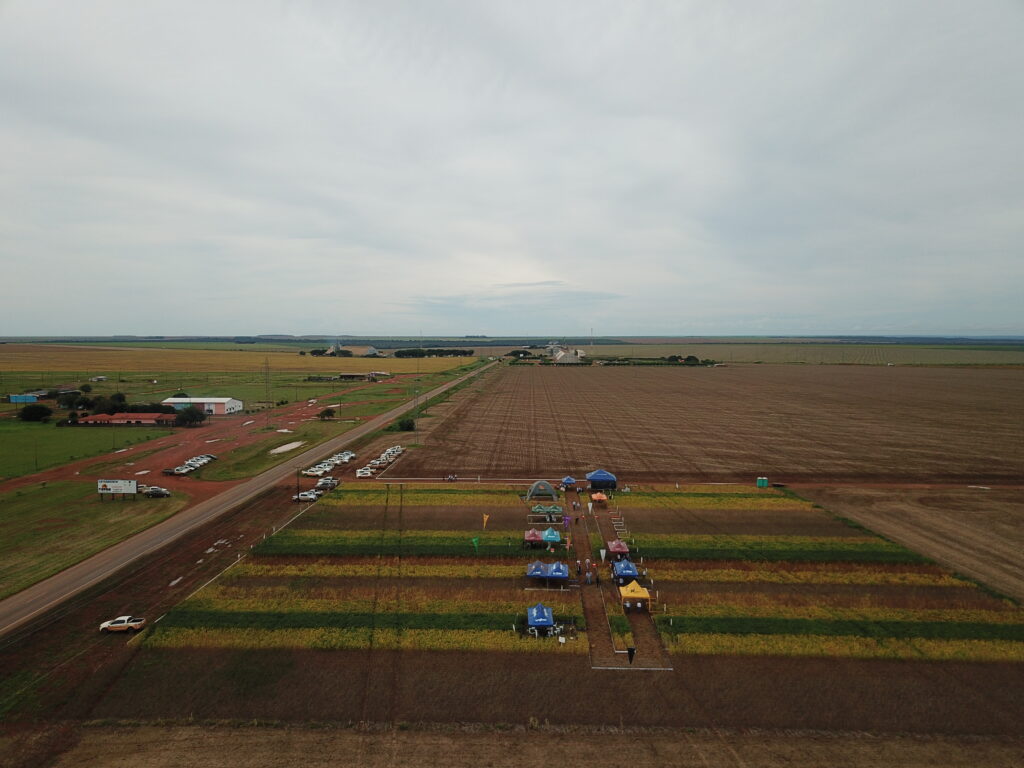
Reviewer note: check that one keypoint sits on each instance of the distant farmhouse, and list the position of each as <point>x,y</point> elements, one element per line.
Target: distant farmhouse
<point>212,406</point>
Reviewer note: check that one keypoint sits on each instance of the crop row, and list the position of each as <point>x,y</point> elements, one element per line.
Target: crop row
<point>294,541</point>
<point>844,646</point>
<point>423,498</point>
<point>867,577</point>
<point>774,549</point>
<point>396,568</point>
<point>198,618</point>
<point>845,627</point>
<point>746,501</point>
<point>324,638</point>
<point>719,606</point>
<point>239,597</point>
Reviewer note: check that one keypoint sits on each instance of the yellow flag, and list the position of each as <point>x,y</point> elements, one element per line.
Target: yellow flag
<point>486,517</point>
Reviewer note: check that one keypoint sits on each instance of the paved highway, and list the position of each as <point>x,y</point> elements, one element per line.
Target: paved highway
<point>29,603</point>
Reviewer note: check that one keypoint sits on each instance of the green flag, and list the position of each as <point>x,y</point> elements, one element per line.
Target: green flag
<point>476,544</point>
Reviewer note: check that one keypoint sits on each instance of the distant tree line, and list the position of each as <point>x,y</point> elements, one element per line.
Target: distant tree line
<point>434,352</point>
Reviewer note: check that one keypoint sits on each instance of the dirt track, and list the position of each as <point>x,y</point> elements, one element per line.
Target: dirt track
<point>150,747</point>
<point>975,531</point>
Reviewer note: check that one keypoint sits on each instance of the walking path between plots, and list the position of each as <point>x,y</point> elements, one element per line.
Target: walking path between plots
<point>601,592</point>
<point>25,605</point>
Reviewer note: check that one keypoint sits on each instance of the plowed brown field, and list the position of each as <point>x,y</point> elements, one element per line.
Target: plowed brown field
<point>841,423</point>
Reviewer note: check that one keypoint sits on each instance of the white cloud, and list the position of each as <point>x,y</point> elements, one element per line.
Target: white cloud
<point>490,167</point>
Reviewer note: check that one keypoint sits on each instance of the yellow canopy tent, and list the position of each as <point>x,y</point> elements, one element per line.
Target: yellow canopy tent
<point>635,596</point>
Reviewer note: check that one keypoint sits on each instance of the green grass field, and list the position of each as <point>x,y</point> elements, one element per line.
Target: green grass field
<point>44,530</point>
<point>27,447</point>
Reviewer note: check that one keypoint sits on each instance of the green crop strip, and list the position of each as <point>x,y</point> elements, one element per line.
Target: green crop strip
<point>185,618</point>
<point>394,543</point>
<point>902,630</point>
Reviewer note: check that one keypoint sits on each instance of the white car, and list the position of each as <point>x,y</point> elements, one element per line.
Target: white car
<point>314,472</point>
<point>123,624</point>
<point>364,472</point>
<point>305,496</point>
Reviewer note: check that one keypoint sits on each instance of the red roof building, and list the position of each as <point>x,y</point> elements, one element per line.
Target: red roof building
<point>129,419</point>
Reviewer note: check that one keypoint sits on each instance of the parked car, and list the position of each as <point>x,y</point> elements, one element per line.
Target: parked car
<point>123,624</point>
<point>364,472</point>
<point>313,472</point>
<point>170,471</point>
<point>305,496</point>
<point>182,470</point>
<point>155,492</point>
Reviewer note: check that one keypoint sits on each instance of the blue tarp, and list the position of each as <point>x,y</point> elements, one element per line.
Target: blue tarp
<point>567,480</point>
<point>552,536</point>
<point>540,615</point>
<point>625,568</point>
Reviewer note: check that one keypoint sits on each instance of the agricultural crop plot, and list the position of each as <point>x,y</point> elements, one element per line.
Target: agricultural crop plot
<point>805,584</point>
<point>396,604</point>
<point>847,424</point>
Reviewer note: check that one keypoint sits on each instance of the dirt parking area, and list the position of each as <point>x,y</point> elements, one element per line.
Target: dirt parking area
<point>975,531</point>
<point>210,747</point>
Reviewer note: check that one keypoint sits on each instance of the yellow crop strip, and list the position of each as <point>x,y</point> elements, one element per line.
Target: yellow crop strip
<point>717,607</point>
<point>664,572</point>
<point>723,502</point>
<point>844,647</point>
<point>356,639</point>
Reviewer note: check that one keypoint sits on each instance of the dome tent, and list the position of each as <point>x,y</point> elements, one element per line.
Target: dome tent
<point>601,480</point>
<point>541,489</point>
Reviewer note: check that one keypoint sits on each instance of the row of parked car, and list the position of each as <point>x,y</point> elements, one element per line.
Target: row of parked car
<point>325,466</point>
<point>323,485</point>
<point>191,465</point>
<point>375,465</point>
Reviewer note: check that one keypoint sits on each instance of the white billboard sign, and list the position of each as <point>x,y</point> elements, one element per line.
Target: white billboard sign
<point>117,486</point>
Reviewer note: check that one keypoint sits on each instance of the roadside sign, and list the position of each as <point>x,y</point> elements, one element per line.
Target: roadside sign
<point>117,486</point>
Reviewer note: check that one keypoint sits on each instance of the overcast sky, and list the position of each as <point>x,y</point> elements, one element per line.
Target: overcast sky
<point>511,167</point>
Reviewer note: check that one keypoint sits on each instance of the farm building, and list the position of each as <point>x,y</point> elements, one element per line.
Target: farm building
<point>214,406</point>
<point>129,419</point>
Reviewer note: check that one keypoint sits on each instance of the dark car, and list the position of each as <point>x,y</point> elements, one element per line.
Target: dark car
<point>157,493</point>
<point>169,471</point>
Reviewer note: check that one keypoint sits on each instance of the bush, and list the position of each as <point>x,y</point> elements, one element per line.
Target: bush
<point>35,412</point>
<point>407,424</point>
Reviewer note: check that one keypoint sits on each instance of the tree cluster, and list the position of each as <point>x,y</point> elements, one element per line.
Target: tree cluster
<point>434,352</point>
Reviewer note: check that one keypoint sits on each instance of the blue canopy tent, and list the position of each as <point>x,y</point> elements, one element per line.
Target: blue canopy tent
<point>537,570</point>
<point>601,480</point>
<point>540,615</point>
<point>558,570</point>
<point>551,536</point>
<point>624,572</point>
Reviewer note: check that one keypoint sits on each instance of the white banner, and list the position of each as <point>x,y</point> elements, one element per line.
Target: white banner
<point>117,486</point>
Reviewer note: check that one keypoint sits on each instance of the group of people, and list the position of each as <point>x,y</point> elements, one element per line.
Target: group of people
<point>587,572</point>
